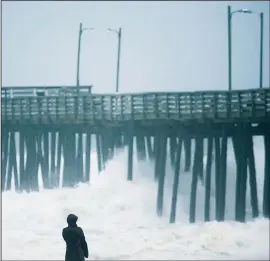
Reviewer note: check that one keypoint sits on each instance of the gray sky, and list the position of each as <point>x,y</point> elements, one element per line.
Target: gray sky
<point>166,46</point>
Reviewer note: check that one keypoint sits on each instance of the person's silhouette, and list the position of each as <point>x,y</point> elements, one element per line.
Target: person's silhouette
<point>76,246</point>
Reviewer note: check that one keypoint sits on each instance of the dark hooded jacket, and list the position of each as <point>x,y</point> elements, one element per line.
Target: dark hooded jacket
<point>76,246</point>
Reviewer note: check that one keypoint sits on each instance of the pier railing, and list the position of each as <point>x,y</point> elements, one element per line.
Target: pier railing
<point>183,106</point>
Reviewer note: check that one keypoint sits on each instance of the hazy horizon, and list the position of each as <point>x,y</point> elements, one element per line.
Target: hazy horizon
<point>166,46</point>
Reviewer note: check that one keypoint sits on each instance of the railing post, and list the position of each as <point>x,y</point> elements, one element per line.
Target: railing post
<point>156,111</point>
<point>76,105</point>
<point>143,107</point>
<point>179,105</point>
<point>215,106</point>
<point>12,109</point>
<point>39,109</point>
<point>132,107</point>
<point>84,108</point>
<point>111,106</point>
<point>102,106</point>
<point>203,104</point>
<point>121,107</point>
<point>229,99</point>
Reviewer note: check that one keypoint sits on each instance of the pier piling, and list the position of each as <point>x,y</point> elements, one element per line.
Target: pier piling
<point>197,169</point>
<point>176,180</point>
<point>161,170</point>
<point>208,178</point>
<point>88,157</point>
<point>266,193</point>
<point>52,166</point>
<point>130,152</point>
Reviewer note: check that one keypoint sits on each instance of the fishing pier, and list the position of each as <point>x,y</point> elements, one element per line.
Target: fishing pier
<point>57,122</point>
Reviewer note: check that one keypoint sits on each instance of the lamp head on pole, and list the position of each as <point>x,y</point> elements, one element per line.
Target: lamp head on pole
<point>88,29</point>
<point>245,11</point>
<point>113,30</point>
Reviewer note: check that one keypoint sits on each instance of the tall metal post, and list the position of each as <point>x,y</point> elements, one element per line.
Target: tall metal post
<point>78,57</point>
<point>118,59</point>
<point>245,11</point>
<point>229,49</point>
<point>261,51</point>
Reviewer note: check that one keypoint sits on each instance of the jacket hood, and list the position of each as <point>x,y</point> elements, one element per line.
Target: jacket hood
<point>72,219</point>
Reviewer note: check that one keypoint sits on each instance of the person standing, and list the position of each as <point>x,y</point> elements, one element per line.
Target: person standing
<point>76,245</point>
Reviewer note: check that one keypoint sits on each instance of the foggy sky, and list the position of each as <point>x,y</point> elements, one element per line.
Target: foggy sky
<point>166,46</point>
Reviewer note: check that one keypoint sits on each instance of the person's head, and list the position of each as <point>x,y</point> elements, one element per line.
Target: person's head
<point>71,220</point>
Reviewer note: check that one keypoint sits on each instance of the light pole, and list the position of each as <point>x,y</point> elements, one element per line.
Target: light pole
<point>230,14</point>
<point>81,30</point>
<point>261,50</point>
<point>119,35</point>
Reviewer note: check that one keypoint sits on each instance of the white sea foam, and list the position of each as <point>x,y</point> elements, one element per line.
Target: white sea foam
<point>120,222</point>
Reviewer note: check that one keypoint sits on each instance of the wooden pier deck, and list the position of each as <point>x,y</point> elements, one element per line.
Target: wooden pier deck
<point>66,117</point>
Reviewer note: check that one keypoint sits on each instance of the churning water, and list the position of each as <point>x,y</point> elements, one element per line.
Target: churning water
<point>120,222</point>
